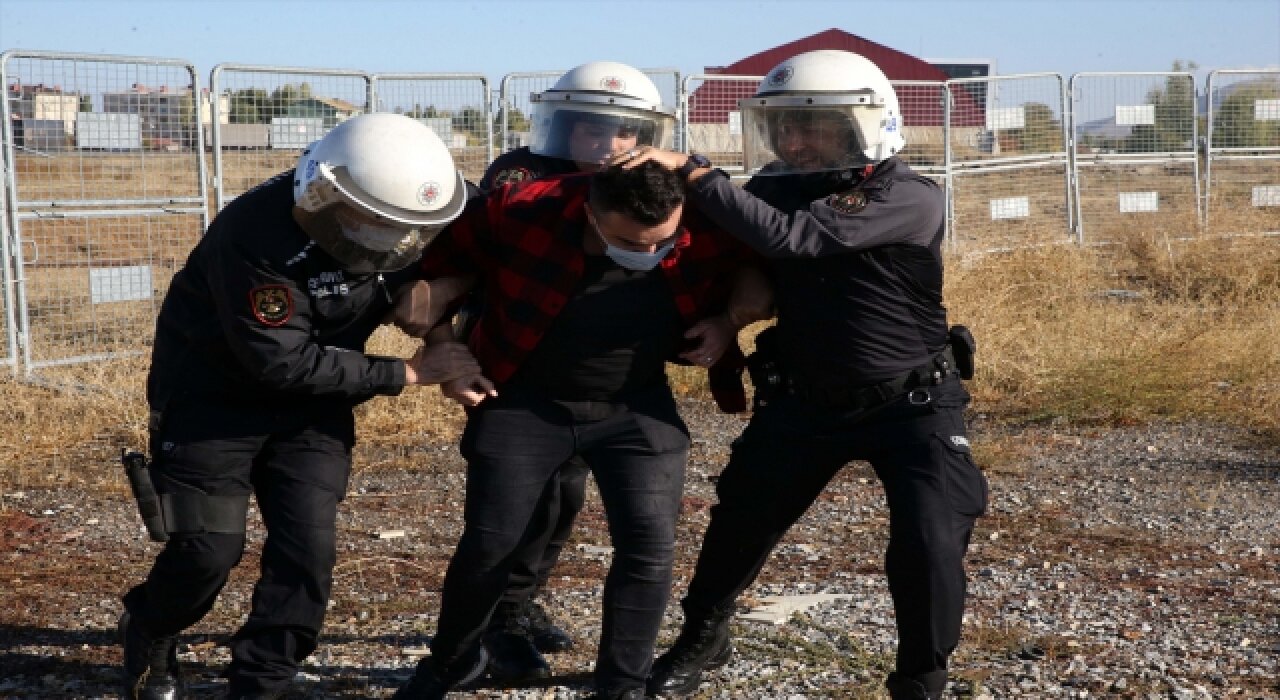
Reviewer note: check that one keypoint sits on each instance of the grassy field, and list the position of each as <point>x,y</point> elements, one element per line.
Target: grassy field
<point>1146,328</point>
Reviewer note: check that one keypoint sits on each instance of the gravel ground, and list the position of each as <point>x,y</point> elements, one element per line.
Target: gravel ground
<point>1129,563</point>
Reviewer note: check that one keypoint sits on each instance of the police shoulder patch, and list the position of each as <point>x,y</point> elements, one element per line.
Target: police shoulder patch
<point>271,304</point>
<point>509,175</point>
<point>848,202</point>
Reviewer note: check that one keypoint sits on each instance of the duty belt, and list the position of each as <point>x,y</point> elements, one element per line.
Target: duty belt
<point>912,384</point>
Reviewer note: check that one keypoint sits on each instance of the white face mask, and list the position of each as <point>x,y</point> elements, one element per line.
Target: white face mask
<point>633,259</point>
<point>636,260</point>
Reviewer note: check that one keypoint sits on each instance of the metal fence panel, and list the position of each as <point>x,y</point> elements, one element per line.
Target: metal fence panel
<point>93,281</point>
<point>118,144</point>
<point>711,122</point>
<point>7,294</point>
<point>1242,168</point>
<point>1134,154</point>
<point>455,105</point>
<point>104,130</point>
<point>515,109</point>
<point>1007,160</point>
<point>263,116</point>
<point>923,105</point>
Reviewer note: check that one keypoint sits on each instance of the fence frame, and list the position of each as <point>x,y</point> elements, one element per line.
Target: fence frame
<point>957,167</point>
<point>1224,153</point>
<point>486,104</point>
<point>1131,158</point>
<point>18,210</point>
<point>214,90</point>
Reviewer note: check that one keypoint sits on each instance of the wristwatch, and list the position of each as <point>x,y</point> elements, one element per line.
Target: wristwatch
<point>695,161</point>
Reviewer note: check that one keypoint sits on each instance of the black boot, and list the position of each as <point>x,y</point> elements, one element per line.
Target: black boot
<point>547,636</point>
<point>926,686</point>
<point>151,670</point>
<point>256,695</point>
<point>703,644</point>
<point>619,694</point>
<point>431,682</point>
<point>513,657</point>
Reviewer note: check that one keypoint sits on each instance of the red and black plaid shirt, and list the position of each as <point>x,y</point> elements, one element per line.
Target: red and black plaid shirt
<point>524,241</point>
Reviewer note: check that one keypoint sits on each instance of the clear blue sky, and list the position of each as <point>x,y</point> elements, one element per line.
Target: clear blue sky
<point>496,37</point>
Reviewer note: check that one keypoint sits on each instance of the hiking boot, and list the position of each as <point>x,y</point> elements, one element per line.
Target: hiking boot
<point>151,670</point>
<point>513,657</point>
<point>703,644</point>
<point>547,636</point>
<point>926,686</point>
<point>430,682</point>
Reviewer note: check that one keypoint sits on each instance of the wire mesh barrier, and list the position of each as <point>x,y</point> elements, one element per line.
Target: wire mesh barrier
<point>1242,167</point>
<point>105,183</point>
<point>263,116</point>
<point>924,125</point>
<point>104,196</point>
<point>455,105</point>
<point>1135,163</point>
<point>712,122</point>
<point>10,338</point>
<point>515,106</point>
<point>1007,162</point>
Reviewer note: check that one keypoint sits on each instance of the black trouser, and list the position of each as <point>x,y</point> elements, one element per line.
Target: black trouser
<point>297,466</point>
<point>549,529</point>
<point>514,445</point>
<point>786,457</point>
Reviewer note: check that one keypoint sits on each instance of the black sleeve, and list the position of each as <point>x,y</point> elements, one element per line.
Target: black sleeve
<point>280,352</point>
<point>909,212</point>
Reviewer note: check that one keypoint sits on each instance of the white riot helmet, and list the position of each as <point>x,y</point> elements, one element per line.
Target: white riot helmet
<point>820,111</point>
<point>375,190</point>
<point>602,101</point>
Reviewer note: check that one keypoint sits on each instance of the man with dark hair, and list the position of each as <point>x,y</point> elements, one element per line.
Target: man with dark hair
<point>593,111</point>
<point>592,283</point>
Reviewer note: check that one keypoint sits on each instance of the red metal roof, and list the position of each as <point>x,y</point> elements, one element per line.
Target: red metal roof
<point>921,106</point>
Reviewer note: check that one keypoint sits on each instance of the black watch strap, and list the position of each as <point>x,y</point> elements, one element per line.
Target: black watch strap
<point>695,161</point>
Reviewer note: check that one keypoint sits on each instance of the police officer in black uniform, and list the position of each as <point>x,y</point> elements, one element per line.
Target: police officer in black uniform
<point>257,364</point>
<point>593,111</point>
<point>861,364</point>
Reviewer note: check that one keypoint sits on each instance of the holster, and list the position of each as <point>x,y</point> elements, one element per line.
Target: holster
<point>963,348</point>
<point>144,494</point>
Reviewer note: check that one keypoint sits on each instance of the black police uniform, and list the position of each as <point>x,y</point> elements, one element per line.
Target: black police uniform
<point>566,494</point>
<point>257,363</point>
<point>860,344</point>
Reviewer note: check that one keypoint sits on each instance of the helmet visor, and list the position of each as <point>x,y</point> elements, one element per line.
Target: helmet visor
<point>587,133</point>
<point>363,243</point>
<point>795,139</point>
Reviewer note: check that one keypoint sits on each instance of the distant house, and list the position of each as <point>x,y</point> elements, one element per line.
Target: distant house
<point>167,115</point>
<point>44,117</point>
<point>330,110</point>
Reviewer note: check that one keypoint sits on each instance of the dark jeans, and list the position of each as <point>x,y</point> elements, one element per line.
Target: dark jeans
<point>548,531</point>
<point>297,468</point>
<point>784,460</point>
<point>514,445</point>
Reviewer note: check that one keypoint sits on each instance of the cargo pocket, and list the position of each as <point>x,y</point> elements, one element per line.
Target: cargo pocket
<point>965,483</point>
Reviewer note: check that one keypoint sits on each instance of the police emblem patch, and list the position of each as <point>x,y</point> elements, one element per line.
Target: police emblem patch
<point>849,202</point>
<point>511,175</point>
<point>271,304</point>
<point>427,193</point>
<point>781,76</point>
